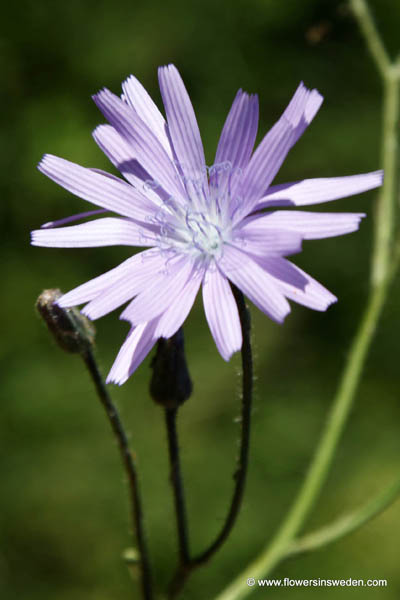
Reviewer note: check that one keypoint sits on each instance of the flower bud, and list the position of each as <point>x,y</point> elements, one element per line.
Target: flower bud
<point>72,331</point>
<point>170,383</point>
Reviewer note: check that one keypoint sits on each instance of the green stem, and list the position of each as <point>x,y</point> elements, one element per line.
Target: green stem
<point>374,43</point>
<point>390,73</point>
<point>346,524</point>
<point>382,273</point>
<point>385,209</point>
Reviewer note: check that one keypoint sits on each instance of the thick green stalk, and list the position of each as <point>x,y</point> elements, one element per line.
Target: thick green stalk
<point>385,210</point>
<point>390,73</point>
<point>374,43</point>
<point>382,273</point>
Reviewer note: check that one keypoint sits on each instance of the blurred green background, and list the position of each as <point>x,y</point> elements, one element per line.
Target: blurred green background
<point>63,510</point>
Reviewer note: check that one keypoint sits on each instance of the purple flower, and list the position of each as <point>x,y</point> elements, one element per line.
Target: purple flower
<point>202,226</point>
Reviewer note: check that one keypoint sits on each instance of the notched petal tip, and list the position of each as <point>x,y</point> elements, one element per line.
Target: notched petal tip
<point>329,302</point>
<point>130,78</point>
<point>102,95</point>
<point>167,67</point>
<point>113,378</point>
<point>44,162</point>
<point>33,237</point>
<point>332,301</point>
<point>313,105</point>
<point>305,104</point>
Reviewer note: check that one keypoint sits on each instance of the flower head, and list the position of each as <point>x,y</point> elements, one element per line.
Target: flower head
<point>202,226</point>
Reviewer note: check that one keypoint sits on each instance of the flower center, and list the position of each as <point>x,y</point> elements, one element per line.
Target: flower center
<point>202,235</point>
<point>202,225</point>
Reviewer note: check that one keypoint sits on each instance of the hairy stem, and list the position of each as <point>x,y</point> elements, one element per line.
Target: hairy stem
<point>187,564</point>
<point>177,485</point>
<point>130,469</point>
<point>241,470</point>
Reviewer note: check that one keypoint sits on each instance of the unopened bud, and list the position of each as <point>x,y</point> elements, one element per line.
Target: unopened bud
<point>72,331</point>
<point>170,383</point>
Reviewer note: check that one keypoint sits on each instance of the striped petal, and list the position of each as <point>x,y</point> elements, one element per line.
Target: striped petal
<point>236,143</point>
<point>315,191</point>
<point>283,270</point>
<point>91,289</point>
<point>254,239</point>
<point>295,284</point>
<point>272,151</point>
<point>314,295</point>
<point>107,192</point>
<point>102,232</point>
<point>78,217</point>
<point>162,291</point>
<point>141,274</point>
<point>140,100</point>
<point>221,313</point>
<point>183,130</point>
<point>175,315</point>
<point>146,146</point>
<point>133,351</point>
<point>254,282</point>
<point>121,154</point>
<point>309,226</point>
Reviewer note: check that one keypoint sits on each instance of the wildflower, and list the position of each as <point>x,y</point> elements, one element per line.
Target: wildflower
<point>202,226</point>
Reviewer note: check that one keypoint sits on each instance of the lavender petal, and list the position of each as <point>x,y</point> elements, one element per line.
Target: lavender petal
<point>272,151</point>
<point>183,129</point>
<point>315,191</point>
<point>107,192</point>
<point>308,225</point>
<point>133,351</point>
<point>146,146</point>
<point>221,313</point>
<point>236,143</point>
<point>95,287</point>
<point>141,275</point>
<point>140,100</point>
<point>254,282</point>
<point>101,232</point>
<point>161,292</point>
<point>314,295</point>
<point>258,240</point>
<point>170,321</point>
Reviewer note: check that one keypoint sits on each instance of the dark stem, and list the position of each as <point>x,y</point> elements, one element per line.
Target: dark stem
<point>189,564</point>
<point>129,465</point>
<point>241,469</point>
<point>177,485</point>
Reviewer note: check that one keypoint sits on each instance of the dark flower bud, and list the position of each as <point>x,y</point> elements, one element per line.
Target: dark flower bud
<point>72,331</point>
<point>170,383</point>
